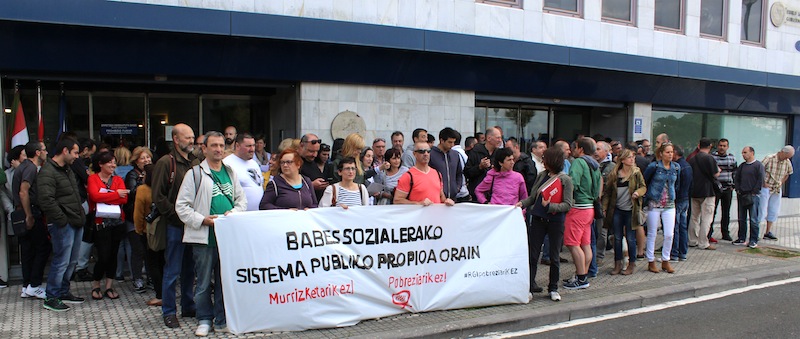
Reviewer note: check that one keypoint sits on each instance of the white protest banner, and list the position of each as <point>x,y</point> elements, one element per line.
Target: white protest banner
<point>330,267</point>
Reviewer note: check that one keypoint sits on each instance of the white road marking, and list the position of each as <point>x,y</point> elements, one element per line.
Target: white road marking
<point>652,308</point>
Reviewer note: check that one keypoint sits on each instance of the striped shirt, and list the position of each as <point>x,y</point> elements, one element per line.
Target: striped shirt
<point>727,165</point>
<point>344,196</point>
<point>775,170</point>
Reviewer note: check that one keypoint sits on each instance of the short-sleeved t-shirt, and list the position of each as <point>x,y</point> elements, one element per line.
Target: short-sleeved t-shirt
<point>221,199</point>
<point>426,185</point>
<point>26,171</point>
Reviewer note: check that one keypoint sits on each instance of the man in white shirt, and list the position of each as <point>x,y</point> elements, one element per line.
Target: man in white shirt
<point>537,149</point>
<point>247,169</point>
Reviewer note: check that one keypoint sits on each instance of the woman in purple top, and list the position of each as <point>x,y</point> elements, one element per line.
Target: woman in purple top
<point>502,185</point>
<point>289,189</point>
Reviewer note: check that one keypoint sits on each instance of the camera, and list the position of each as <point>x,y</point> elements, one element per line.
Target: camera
<point>154,213</point>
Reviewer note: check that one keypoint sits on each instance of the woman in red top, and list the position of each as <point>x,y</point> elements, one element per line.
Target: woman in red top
<point>105,187</point>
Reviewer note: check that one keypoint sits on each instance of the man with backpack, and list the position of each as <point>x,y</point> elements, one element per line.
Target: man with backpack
<point>167,178</point>
<point>421,185</point>
<point>209,190</point>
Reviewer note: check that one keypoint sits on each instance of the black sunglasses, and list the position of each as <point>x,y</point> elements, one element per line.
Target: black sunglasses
<point>314,142</point>
<point>423,151</point>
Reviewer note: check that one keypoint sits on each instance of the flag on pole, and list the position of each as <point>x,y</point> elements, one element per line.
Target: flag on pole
<point>19,131</point>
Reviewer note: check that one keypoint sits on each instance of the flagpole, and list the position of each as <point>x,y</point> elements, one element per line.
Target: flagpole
<point>40,131</point>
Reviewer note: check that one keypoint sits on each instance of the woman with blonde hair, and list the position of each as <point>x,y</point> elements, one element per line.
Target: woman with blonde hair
<point>622,202</point>
<point>352,147</point>
<point>123,156</point>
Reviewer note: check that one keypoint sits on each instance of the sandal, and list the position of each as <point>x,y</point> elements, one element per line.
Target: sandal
<point>95,293</point>
<point>110,294</point>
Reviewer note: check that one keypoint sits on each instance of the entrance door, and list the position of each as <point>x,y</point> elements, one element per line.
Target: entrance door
<point>569,122</point>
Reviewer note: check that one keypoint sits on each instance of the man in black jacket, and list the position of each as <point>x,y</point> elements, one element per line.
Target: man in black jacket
<point>60,202</point>
<point>446,160</point>
<point>523,164</point>
<point>478,162</point>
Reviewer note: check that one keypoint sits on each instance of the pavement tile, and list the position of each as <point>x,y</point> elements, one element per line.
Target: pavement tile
<point>706,271</point>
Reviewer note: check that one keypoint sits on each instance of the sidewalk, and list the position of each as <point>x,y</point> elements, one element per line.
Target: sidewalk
<point>703,273</point>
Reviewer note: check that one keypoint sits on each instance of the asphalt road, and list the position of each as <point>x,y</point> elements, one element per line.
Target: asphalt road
<point>772,312</point>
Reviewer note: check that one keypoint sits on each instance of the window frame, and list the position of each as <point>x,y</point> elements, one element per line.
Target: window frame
<point>631,22</point>
<point>681,29</point>
<point>725,17</point>
<point>505,3</point>
<point>763,36</point>
<point>560,11</point>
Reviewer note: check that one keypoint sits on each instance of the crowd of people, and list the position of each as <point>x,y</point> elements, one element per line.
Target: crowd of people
<point>158,217</point>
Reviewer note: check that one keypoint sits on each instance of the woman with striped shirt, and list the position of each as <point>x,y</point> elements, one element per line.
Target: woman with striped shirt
<point>346,192</point>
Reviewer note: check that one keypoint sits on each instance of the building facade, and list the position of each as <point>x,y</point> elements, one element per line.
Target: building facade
<point>540,69</point>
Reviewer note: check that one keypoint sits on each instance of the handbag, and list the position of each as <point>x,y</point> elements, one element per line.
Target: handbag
<point>641,217</point>
<point>157,234</point>
<point>745,199</point>
<point>598,207</point>
<point>18,223</point>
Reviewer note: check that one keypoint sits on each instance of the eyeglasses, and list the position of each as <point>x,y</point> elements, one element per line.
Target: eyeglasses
<point>422,151</point>
<point>314,142</point>
<point>287,162</point>
<point>348,169</point>
<point>378,140</point>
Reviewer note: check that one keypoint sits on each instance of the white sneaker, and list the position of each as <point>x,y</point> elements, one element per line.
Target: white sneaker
<point>221,329</point>
<point>202,330</point>
<point>554,296</point>
<point>38,292</point>
<point>23,294</point>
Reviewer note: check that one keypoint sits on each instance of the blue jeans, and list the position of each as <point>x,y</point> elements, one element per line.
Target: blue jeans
<point>206,263</point>
<point>622,227</point>
<point>754,213</point>
<point>66,242</point>
<point>680,242</point>
<point>179,263</point>
<point>593,265</point>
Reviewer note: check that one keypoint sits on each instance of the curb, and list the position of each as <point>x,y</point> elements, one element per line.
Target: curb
<point>521,320</point>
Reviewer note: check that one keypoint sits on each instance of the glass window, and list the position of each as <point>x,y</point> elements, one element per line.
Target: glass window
<point>119,119</point>
<point>223,111</point>
<point>765,134</point>
<point>619,10</point>
<point>77,107</point>
<point>753,21</point>
<point>509,3</point>
<point>573,7</point>
<point>167,110</point>
<point>669,15</point>
<point>712,17</point>
<point>524,123</point>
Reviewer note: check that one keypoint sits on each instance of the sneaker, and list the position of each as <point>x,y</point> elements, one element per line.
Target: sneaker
<point>138,286</point>
<point>570,280</point>
<point>69,298</point>
<point>119,278</point>
<point>554,296</point>
<point>770,236</point>
<point>752,245</point>
<point>682,259</point>
<point>673,259</point>
<point>202,330</point>
<point>739,242</point>
<point>530,296</point>
<point>171,321</point>
<point>3,283</point>
<point>727,238</point>
<point>221,329</point>
<point>55,304</point>
<point>22,293</point>
<point>536,289</point>
<point>577,284</point>
<point>712,240</point>
<point>37,291</point>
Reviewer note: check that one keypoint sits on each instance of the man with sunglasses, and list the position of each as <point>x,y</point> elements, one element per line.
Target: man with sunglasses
<point>309,147</point>
<point>421,185</point>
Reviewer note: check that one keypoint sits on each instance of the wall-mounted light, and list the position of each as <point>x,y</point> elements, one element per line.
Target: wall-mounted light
<point>163,122</point>
<point>140,125</point>
<point>7,110</point>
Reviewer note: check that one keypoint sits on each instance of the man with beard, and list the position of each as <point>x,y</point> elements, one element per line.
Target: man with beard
<point>230,134</point>
<point>168,174</point>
